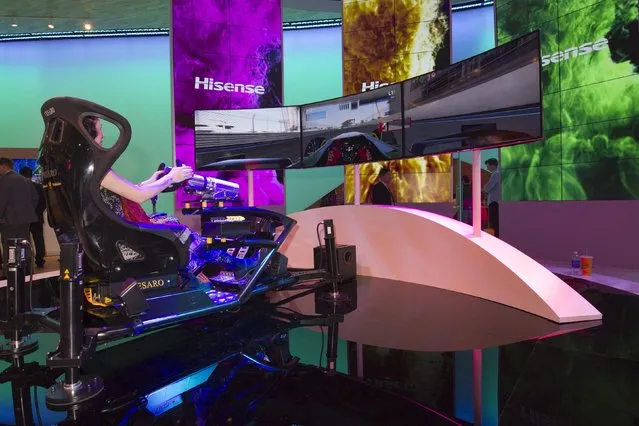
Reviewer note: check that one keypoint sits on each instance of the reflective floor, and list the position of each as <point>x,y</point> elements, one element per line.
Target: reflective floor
<point>404,355</point>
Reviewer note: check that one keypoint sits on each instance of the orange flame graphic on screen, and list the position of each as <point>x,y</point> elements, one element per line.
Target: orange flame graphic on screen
<point>391,40</point>
<point>415,180</point>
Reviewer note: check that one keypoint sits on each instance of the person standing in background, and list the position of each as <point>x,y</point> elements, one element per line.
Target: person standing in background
<point>493,192</point>
<point>467,201</point>
<point>37,228</point>
<point>381,193</point>
<point>18,202</point>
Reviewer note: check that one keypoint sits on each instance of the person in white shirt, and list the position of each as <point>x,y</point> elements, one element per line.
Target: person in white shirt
<point>493,191</point>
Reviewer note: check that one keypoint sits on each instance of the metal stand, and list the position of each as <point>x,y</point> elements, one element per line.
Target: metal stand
<point>23,376</point>
<point>335,309</point>
<point>19,343</point>
<point>73,389</point>
<point>331,262</point>
<point>331,348</point>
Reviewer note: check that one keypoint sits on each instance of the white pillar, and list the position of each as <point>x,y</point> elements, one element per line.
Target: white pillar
<point>476,187</point>
<point>357,188</point>
<point>251,189</point>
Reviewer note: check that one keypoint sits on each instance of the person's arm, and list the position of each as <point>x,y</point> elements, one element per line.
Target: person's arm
<point>139,194</point>
<point>42,202</point>
<point>492,182</point>
<point>152,179</point>
<point>35,197</point>
<point>4,200</point>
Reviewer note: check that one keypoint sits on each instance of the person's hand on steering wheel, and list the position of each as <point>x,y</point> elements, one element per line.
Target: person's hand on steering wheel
<point>157,175</point>
<point>181,173</point>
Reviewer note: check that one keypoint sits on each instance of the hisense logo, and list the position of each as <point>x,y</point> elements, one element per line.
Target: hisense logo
<point>573,52</point>
<point>207,83</point>
<point>373,85</point>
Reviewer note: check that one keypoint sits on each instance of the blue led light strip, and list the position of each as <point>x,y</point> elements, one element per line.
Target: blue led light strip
<point>135,32</point>
<point>303,25</point>
<point>145,32</point>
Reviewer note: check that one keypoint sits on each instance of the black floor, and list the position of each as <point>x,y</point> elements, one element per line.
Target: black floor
<point>397,344</point>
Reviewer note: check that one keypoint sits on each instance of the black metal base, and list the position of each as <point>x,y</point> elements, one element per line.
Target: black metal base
<point>10,349</point>
<point>61,395</point>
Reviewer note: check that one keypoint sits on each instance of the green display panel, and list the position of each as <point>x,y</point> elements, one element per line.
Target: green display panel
<point>590,59</point>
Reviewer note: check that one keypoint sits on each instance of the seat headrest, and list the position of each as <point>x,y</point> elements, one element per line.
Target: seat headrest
<point>60,112</point>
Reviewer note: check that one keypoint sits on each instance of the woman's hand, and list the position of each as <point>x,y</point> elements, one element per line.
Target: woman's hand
<point>180,174</point>
<point>156,175</point>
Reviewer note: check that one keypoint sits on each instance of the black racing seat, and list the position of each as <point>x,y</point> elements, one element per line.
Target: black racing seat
<point>73,167</point>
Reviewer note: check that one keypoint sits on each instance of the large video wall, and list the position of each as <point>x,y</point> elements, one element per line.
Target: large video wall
<point>227,54</point>
<point>591,115</point>
<point>386,41</point>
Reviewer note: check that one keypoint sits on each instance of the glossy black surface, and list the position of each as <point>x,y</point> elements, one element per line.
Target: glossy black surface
<point>411,340</point>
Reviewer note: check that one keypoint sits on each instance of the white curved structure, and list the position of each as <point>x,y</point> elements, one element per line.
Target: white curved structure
<point>425,248</point>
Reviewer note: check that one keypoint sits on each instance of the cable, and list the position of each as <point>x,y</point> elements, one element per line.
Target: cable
<point>322,347</point>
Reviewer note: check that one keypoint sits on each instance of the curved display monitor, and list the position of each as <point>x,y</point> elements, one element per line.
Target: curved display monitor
<point>238,139</point>
<point>353,129</point>
<point>490,100</point>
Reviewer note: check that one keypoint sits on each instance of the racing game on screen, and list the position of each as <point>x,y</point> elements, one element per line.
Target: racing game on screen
<point>237,139</point>
<point>353,129</point>
<point>493,99</point>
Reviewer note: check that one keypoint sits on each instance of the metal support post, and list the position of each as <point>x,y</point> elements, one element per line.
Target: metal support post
<point>72,389</point>
<point>19,343</point>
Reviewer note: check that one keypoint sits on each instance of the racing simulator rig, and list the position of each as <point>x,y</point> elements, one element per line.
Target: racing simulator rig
<point>120,278</point>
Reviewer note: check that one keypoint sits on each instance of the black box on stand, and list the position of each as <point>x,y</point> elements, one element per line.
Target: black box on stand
<point>346,260</point>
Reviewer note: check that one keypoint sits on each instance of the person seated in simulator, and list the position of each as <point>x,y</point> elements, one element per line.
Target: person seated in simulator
<point>124,198</point>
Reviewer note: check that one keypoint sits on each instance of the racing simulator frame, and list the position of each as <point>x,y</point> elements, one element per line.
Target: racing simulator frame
<point>107,262</point>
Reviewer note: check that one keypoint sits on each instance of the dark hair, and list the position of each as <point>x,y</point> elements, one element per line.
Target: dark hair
<point>384,171</point>
<point>492,162</point>
<point>89,125</point>
<point>4,161</point>
<point>26,172</point>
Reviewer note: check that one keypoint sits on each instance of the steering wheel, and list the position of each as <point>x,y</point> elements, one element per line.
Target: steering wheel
<point>174,186</point>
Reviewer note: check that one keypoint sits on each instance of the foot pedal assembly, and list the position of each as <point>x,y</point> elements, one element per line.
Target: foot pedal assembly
<point>133,299</point>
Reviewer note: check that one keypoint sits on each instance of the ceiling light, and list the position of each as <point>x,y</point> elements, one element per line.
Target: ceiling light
<point>51,26</point>
<point>88,26</point>
<point>14,24</point>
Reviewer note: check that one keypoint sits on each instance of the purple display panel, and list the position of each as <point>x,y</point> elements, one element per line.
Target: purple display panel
<point>227,54</point>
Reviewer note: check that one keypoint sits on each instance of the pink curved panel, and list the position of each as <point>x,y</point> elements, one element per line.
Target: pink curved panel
<point>425,248</point>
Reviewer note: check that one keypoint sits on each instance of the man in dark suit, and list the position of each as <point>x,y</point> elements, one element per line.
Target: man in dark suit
<point>18,202</point>
<point>381,193</point>
<point>37,228</point>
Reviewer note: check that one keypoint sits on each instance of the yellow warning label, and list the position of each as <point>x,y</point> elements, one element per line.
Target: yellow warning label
<point>66,275</point>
